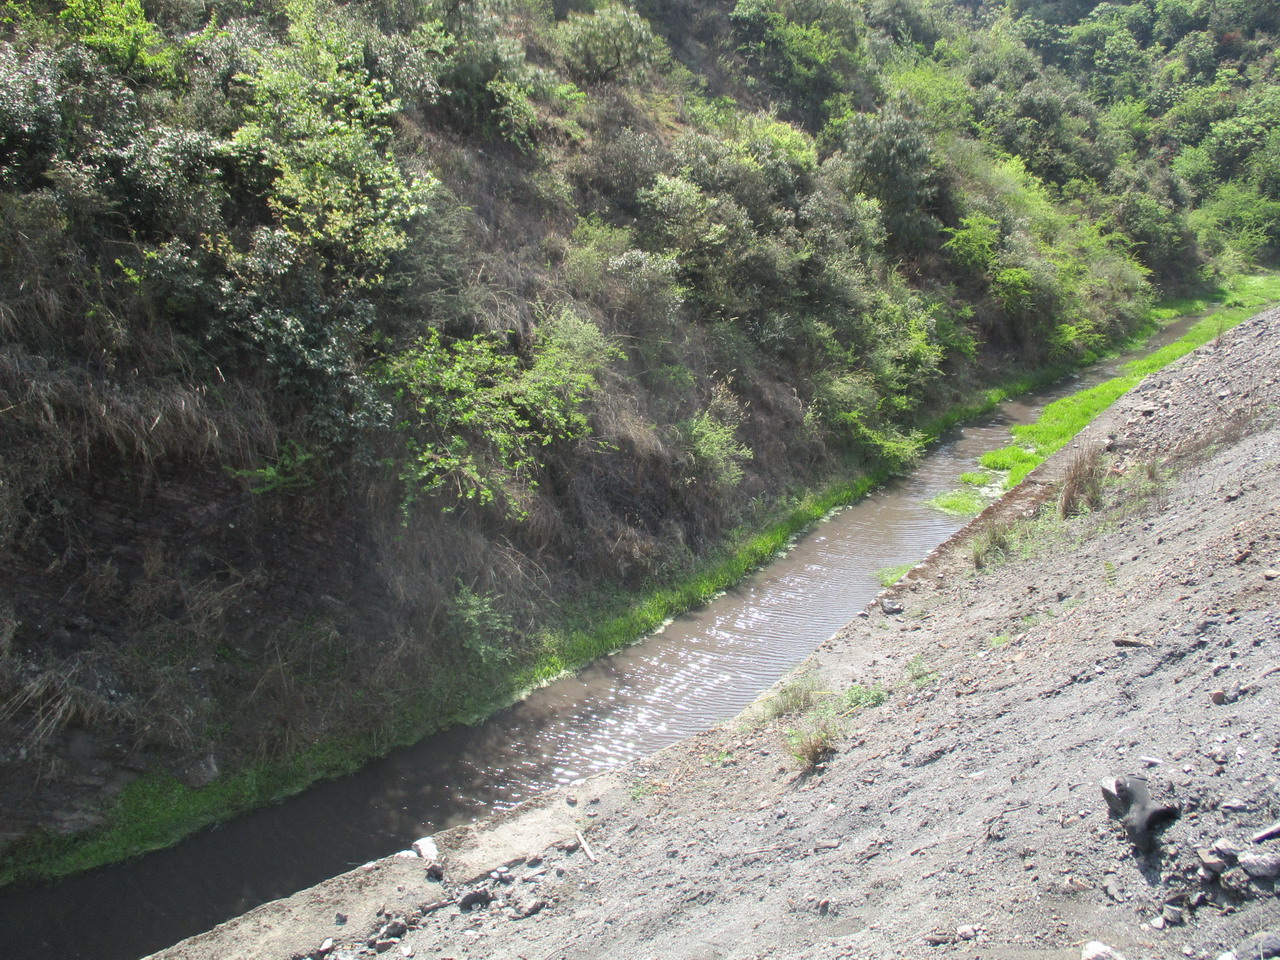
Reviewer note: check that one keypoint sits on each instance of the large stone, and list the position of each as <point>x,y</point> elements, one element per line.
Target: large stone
<point>479,897</point>
<point>426,848</point>
<point>1261,866</point>
<point>1261,946</point>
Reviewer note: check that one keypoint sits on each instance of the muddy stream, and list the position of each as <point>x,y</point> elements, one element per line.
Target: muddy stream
<point>703,668</point>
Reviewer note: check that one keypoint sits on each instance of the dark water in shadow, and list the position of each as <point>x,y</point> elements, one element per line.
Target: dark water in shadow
<point>704,667</point>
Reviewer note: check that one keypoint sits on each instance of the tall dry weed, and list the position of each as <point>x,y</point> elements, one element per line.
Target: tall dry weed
<point>1080,490</point>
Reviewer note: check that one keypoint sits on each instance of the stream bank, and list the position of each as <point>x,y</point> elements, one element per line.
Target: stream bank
<point>461,774</point>
<point>961,818</point>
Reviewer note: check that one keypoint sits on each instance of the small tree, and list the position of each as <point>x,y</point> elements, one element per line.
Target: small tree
<point>119,31</point>
<point>607,45</point>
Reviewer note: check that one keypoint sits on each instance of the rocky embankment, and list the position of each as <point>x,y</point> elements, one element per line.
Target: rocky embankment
<point>1077,746</point>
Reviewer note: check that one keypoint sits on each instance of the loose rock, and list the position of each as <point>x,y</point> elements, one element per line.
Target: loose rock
<point>480,897</point>
<point>1094,950</point>
<point>1129,799</point>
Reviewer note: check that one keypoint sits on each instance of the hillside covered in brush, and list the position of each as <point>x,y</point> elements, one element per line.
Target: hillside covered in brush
<point>362,363</point>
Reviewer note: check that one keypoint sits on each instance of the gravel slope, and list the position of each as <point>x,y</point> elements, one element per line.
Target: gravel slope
<point>963,817</point>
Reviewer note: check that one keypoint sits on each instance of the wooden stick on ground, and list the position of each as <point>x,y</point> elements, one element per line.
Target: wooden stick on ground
<point>585,847</point>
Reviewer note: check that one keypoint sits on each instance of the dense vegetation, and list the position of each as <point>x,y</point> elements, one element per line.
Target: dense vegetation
<point>520,304</point>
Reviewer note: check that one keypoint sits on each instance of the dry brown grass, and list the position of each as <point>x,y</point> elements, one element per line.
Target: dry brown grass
<point>1081,488</point>
<point>43,701</point>
<point>63,419</point>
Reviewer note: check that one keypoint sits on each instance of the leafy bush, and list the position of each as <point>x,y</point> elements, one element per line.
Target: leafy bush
<point>1236,225</point>
<point>477,416</point>
<point>889,157</point>
<point>810,60</point>
<point>30,115</point>
<point>973,244</point>
<point>484,631</point>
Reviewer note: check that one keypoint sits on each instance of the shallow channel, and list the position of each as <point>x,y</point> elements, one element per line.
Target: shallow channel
<point>704,667</point>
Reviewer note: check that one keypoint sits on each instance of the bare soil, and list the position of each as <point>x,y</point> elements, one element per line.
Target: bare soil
<point>963,817</point>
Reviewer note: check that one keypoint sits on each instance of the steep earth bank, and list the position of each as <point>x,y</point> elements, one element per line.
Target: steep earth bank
<point>963,817</point>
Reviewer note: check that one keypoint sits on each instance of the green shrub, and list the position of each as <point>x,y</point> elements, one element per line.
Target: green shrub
<point>861,697</point>
<point>321,126</point>
<point>920,673</point>
<point>30,115</point>
<point>484,631</point>
<point>973,244</point>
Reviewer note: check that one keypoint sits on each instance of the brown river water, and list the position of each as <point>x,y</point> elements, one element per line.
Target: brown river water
<point>704,667</point>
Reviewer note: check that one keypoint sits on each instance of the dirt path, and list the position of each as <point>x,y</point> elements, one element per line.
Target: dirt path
<point>963,816</point>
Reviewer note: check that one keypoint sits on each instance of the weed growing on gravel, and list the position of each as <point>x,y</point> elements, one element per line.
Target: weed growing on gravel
<point>813,739</point>
<point>888,576</point>
<point>860,697</point>
<point>1109,573</point>
<point>645,788</point>
<point>992,543</point>
<point>1142,490</point>
<point>965,502</point>
<point>919,673</point>
<point>998,641</point>
<point>719,758</point>
<point>813,742</point>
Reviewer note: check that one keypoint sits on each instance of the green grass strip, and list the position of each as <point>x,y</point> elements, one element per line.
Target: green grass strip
<point>1061,420</point>
<point>888,576</point>
<point>157,810</point>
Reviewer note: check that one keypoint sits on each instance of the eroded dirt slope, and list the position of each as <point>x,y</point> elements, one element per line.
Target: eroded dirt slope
<point>962,817</point>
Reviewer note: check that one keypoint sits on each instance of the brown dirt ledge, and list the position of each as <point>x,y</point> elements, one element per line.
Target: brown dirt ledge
<point>962,818</point>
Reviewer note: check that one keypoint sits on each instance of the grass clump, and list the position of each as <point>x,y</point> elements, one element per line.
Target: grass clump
<point>1081,489</point>
<point>977,478</point>
<point>812,740</point>
<point>795,696</point>
<point>992,543</point>
<point>812,743</point>
<point>965,502</point>
<point>888,576</point>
